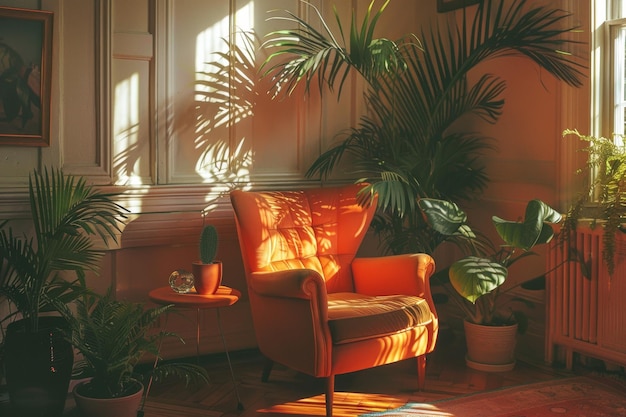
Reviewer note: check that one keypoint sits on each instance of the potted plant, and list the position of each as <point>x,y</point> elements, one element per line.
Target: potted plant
<point>481,278</point>
<point>602,200</point>
<point>112,337</point>
<point>408,145</point>
<point>207,272</point>
<point>46,268</point>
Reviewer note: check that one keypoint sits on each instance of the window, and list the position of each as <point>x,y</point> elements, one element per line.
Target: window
<point>610,67</point>
<point>617,33</point>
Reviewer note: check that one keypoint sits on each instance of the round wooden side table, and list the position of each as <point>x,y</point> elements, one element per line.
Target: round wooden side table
<point>223,297</point>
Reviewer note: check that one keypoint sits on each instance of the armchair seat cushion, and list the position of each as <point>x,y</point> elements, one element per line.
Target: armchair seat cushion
<point>353,317</point>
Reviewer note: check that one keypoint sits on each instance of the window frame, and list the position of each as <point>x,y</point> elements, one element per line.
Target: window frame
<point>613,88</point>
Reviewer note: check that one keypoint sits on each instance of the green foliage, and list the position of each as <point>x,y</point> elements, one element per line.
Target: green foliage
<point>208,244</point>
<point>66,215</point>
<point>311,54</point>
<point>606,165</point>
<point>112,336</point>
<point>479,277</point>
<point>472,277</point>
<point>407,146</point>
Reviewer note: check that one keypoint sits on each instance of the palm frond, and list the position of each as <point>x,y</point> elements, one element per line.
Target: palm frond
<point>326,56</point>
<point>406,144</point>
<point>187,372</point>
<point>65,212</point>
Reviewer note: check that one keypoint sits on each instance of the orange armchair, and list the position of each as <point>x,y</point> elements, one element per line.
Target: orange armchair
<point>318,309</point>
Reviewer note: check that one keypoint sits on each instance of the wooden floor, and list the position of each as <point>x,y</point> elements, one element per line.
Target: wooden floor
<point>289,393</point>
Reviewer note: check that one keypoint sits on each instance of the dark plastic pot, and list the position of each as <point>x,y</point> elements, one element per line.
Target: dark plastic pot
<point>38,367</point>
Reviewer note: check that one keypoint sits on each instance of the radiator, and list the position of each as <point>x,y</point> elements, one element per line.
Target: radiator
<point>586,315</point>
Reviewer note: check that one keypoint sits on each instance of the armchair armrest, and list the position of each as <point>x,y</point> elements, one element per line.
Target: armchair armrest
<point>291,318</point>
<point>289,283</point>
<point>396,274</point>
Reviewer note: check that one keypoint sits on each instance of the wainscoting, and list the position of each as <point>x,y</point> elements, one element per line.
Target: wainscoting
<point>152,246</point>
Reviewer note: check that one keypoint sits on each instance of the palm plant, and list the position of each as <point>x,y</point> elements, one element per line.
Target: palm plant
<point>113,336</point>
<point>406,147</point>
<point>66,213</point>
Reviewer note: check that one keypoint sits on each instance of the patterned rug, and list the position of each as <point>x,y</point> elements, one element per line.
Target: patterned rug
<point>573,397</point>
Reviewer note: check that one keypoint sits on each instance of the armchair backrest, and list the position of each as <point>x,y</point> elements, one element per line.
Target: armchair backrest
<point>319,229</point>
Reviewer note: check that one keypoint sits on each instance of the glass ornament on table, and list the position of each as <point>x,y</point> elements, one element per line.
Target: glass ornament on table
<point>181,281</point>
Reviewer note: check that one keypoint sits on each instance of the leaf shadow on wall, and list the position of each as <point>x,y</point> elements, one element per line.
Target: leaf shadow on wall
<point>226,95</point>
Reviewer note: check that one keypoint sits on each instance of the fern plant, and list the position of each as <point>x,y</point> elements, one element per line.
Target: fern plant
<point>604,198</point>
<point>113,336</point>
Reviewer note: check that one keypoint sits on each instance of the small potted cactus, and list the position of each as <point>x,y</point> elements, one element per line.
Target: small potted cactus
<point>207,271</point>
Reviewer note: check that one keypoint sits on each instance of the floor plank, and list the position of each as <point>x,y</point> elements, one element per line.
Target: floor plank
<point>289,393</point>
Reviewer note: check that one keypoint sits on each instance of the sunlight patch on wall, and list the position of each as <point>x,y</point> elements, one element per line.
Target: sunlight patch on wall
<point>209,47</point>
<point>221,165</point>
<point>244,17</point>
<point>126,130</point>
<point>224,98</point>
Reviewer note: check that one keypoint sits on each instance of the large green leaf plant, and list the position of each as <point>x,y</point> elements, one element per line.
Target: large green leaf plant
<point>409,145</point>
<point>49,266</point>
<point>480,278</point>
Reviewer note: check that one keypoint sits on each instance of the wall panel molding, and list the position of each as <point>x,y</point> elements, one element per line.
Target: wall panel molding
<point>577,108</point>
<point>215,120</point>
<point>86,144</point>
<point>135,46</point>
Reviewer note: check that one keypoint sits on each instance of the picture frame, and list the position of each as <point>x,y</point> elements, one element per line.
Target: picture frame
<point>449,5</point>
<point>25,76</point>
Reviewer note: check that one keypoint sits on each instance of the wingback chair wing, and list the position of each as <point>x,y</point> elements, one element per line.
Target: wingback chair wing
<point>318,309</point>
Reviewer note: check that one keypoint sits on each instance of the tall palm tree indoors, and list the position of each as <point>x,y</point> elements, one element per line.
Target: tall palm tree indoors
<point>418,87</point>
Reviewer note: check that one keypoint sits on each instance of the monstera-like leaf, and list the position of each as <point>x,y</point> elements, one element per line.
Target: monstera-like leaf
<point>477,277</point>
<point>472,277</point>
<point>445,217</point>
<point>533,230</point>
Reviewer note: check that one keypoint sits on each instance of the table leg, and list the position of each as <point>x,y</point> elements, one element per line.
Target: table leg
<point>197,336</point>
<point>140,412</point>
<point>230,366</point>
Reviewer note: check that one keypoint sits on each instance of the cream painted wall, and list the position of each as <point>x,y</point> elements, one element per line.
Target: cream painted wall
<point>130,112</point>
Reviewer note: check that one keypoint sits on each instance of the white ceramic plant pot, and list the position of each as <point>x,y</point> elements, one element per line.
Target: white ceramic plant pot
<point>107,407</point>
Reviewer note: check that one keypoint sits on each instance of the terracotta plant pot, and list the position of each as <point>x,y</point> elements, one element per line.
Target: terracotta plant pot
<point>490,348</point>
<point>207,277</point>
<point>126,406</point>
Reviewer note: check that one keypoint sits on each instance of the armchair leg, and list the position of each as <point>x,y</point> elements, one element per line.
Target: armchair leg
<point>330,391</point>
<point>267,368</point>
<point>421,372</point>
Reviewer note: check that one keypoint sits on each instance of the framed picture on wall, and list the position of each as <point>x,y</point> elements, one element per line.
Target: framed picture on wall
<point>449,5</point>
<point>25,71</point>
